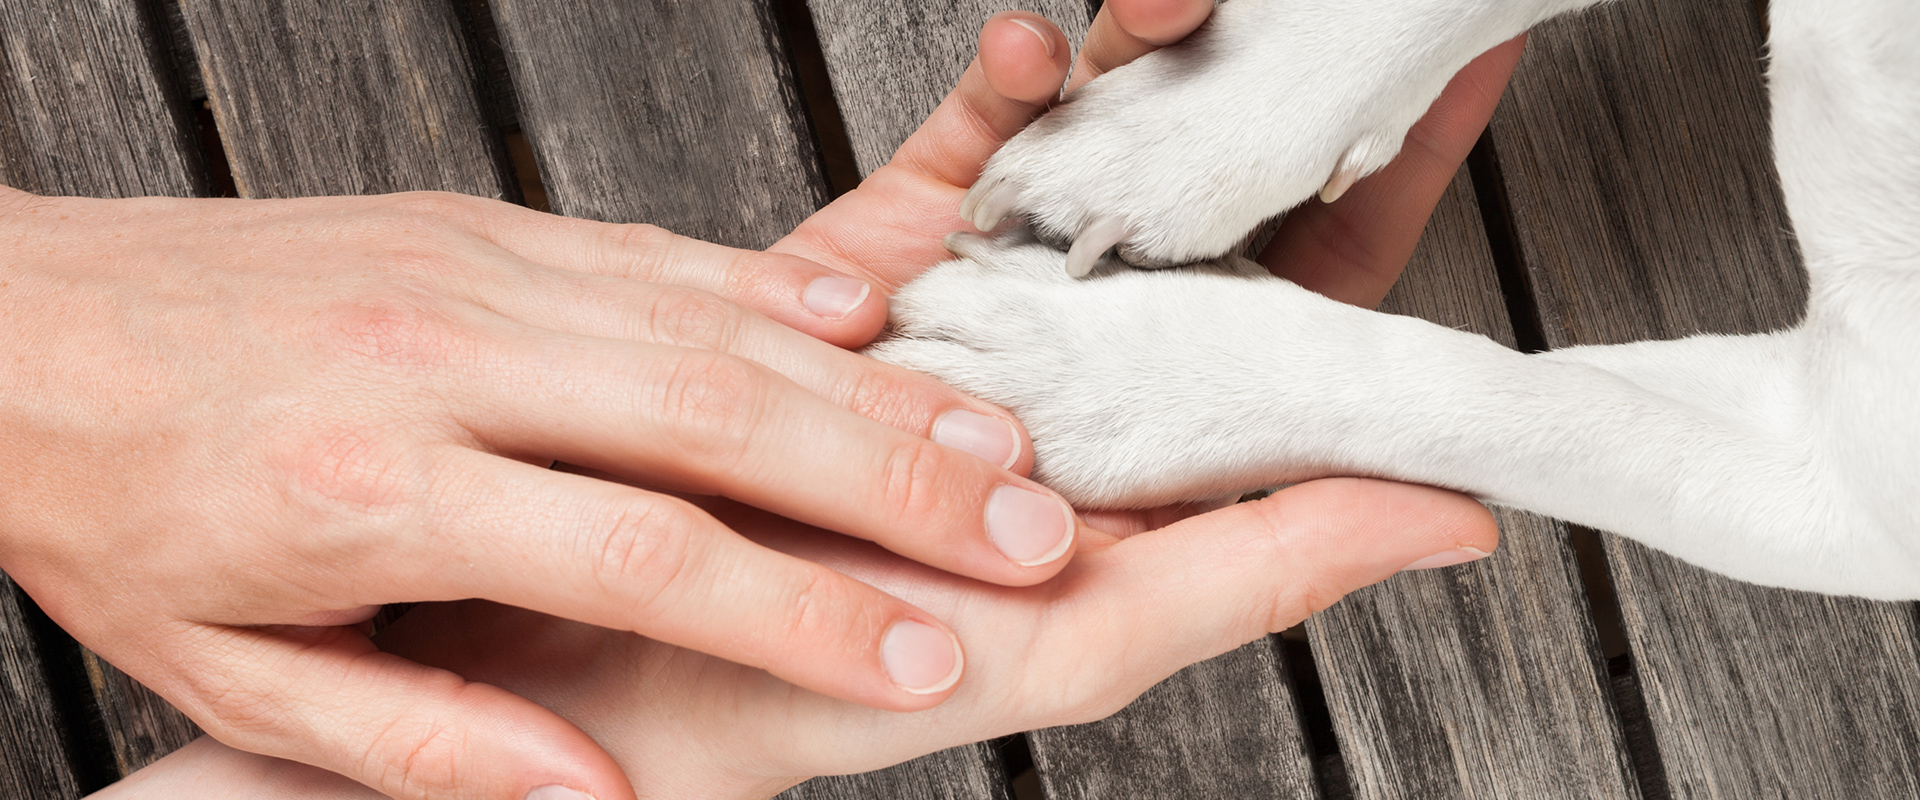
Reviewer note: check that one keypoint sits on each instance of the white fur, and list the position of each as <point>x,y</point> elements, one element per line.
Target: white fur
<point>1790,458</point>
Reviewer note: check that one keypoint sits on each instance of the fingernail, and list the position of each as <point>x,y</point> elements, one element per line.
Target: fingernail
<point>1027,527</point>
<point>1046,39</point>
<point>1448,559</point>
<point>557,793</point>
<point>835,297</point>
<point>990,438</point>
<point>920,658</point>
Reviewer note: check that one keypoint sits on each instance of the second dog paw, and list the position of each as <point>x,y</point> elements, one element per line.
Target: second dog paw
<point>1178,156</point>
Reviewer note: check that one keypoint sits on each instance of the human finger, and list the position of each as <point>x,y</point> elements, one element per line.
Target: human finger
<point>1128,29</point>
<point>1017,74</point>
<point>828,304</point>
<point>326,697</point>
<point>1353,250</point>
<point>666,314</point>
<point>888,230</point>
<point>712,423</point>
<point>628,559</point>
<point>1214,582</point>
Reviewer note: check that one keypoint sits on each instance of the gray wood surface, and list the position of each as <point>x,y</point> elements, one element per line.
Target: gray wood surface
<point>83,109</point>
<point>315,97</point>
<point>1634,156</point>
<point>1224,728</point>
<point>35,761</point>
<point>86,108</point>
<point>141,727</point>
<point>892,62</point>
<point>684,115</point>
<point>1483,680</point>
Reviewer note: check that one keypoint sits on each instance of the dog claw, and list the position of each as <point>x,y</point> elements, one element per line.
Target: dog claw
<point>1093,242</point>
<point>988,204</point>
<point>963,245</point>
<point>1343,179</point>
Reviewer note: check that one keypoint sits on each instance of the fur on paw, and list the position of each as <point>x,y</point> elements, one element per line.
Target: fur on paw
<point>1095,368</point>
<point>1178,156</point>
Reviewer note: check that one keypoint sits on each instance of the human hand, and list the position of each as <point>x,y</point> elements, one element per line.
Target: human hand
<point>232,429</point>
<point>890,228</point>
<point>1121,617</point>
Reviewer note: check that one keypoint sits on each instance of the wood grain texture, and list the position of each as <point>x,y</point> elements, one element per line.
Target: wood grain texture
<point>678,113</point>
<point>315,97</point>
<point>86,109</point>
<point>34,759</point>
<point>972,772</point>
<point>1476,681</point>
<point>82,107</point>
<point>1634,154</point>
<point>1224,728</point>
<point>1483,680</point>
<point>892,62</point>
<point>141,727</point>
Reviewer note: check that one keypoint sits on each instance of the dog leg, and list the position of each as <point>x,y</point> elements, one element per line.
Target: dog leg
<point>1845,80</point>
<point>1148,387</point>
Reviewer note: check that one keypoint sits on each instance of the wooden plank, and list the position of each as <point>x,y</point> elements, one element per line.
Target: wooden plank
<point>680,114</point>
<point>1228,727</point>
<point>88,110</point>
<point>892,62</point>
<point>315,97</point>
<point>82,107</point>
<point>1634,153</point>
<point>34,758</point>
<point>972,772</point>
<point>1484,680</point>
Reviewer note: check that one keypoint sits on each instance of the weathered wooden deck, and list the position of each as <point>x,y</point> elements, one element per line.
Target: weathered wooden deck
<point>1623,192</point>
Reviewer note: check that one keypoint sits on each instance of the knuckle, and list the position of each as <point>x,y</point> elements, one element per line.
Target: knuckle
<point>391,331</point>
<point>417,756</point>
<point>643,553</point>
<point>884,393</point>
<point>644,248</point>
<point>692,318</point>
<point>911,480</point>
<point>242,715</point>
<point>638,236</point>
<point>1277,538</point>
<point>351,465</point>
<point>712,404</point>
<point>814,612</point>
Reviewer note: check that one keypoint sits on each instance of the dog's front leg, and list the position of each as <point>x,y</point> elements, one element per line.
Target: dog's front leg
<point>1148,387</point>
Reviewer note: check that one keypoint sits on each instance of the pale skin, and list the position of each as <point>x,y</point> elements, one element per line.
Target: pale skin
<point>480,699</point>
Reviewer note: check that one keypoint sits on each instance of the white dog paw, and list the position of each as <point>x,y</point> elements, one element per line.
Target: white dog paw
<point>1110,375</point>
<point>1178,156</point>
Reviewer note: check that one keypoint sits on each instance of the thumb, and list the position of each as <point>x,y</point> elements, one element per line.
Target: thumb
<point>1211,583</point>
<point>327,697</point>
